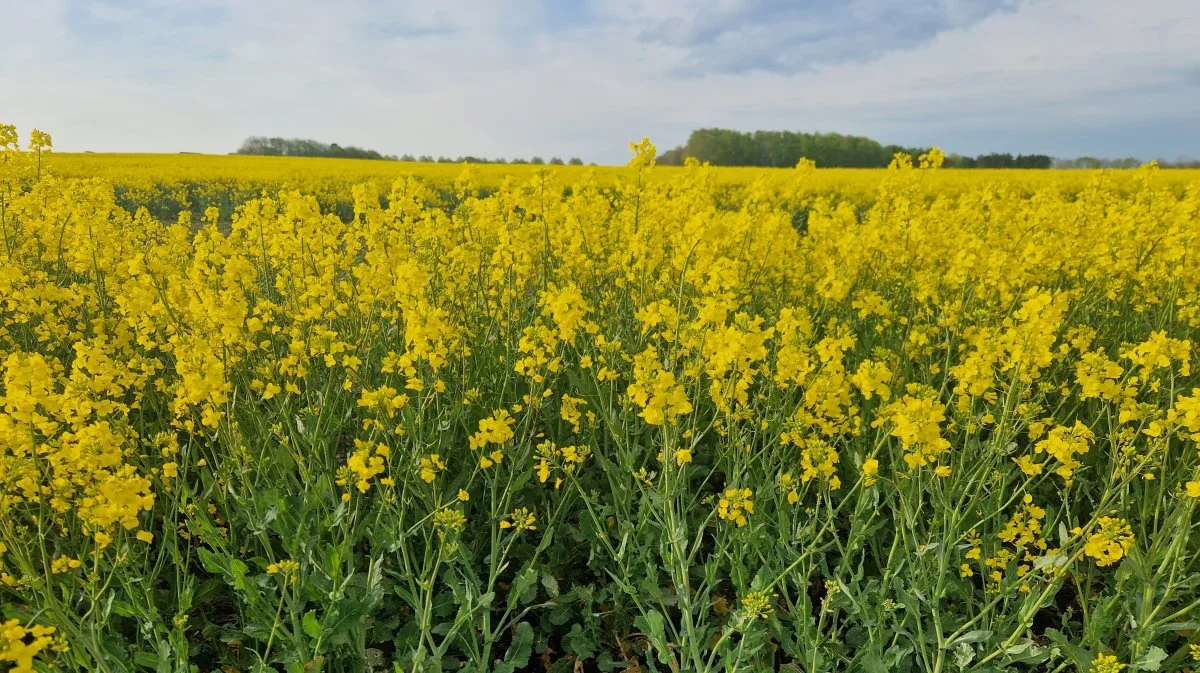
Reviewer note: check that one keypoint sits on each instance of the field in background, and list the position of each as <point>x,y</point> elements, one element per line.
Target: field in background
<point>164,183</point>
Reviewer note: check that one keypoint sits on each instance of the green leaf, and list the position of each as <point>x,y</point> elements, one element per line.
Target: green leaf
<point>976,636</point>
<point>518,652</point>
<point>524,587</point>
<point>207,591</point>
<point>210,562</point>
<point>342,620</point>
<point>311,625</point>
<point>896,658</point>
<point>871,661</point>
<point>1179,626</point>
<point>607,664</point>
<point>123,609</point>
<point>1150,661</point>
<point>653,625</point>
<point>1082,657</point>
<point>117,650</point>
<point>237,569</point>
<point>561,615</point>
<point>550,583</point>
<point>579,642</point>
<point>375,590</point>
<point>145,659</point>
<point>964,654</point>
<point>1026,652</point>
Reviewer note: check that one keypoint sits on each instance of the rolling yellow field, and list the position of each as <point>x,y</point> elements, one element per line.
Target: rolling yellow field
<point>165,181</point>
<point>694,419</point>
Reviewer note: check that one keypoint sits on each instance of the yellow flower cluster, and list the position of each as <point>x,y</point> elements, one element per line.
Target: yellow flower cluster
<point>364,464</point>
<point>496,430</point>
<point>735,505</point>
<point>21,645</point>
<point>555,459</point>
<point>448,522</point>
<point>915,420</point>
<point>1063,444</point>
<point>287,568</point>
<point>521,519</point>
<point>656,391</point>
<point>819,460</point>
<point>430,466</point>
<point>1112,542</point>
<point>757,604</point>
<point>1107,663</point>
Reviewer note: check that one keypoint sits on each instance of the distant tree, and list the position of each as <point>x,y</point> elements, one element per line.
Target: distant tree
<point>518,160</point>
<point>537,160</point>
<point>302,147</point>
<point>575,161</point>
<point>425,159</point>
<point>1181,162</point>
<point>995,160</point>
<point>672,157</point>
<point>1095,162</point>
<point>725,147</point>
<point>1033,161</point>
<point>555,161</point>
<point>407,157</point>
<point>959,161</point>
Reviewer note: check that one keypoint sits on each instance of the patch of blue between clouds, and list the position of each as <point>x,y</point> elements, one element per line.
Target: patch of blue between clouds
<point>785,37</point>
<point>117,20</point>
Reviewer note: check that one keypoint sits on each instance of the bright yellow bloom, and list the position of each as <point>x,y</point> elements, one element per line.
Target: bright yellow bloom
<point>20,645</point>
<point>870,469</point>
<point>430,466</point>
<point>1106,663</point>
<point>1109,544</point>
<point>521,519</point>
<point>644,154</point>
<point>757,604</point>
<point>736,505</point>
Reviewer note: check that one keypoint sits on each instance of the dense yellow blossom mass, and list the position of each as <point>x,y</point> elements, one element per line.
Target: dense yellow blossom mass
<point>907,419</point>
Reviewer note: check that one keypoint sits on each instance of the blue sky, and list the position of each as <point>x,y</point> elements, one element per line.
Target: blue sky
<point>559,78</point>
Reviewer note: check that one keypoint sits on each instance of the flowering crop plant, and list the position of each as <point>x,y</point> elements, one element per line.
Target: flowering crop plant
<point>620,420</point>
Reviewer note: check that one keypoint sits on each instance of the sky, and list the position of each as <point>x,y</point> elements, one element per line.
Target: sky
<point>1109,78</point>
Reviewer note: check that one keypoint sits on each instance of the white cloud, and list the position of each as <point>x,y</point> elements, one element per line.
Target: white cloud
<point>1104,77</point>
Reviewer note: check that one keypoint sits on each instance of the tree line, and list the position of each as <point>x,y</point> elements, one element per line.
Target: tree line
<point>1125,162</point>
<point>999,160</point>
<point>724,147</point>
<point>304,147</point>
<point>781,149</point>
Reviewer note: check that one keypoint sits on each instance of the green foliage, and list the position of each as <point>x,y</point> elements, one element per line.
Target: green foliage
<point>300,147</point>
<point>783,149</point>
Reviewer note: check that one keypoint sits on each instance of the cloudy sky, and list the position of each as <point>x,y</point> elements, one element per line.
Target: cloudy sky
<point>561,78</point>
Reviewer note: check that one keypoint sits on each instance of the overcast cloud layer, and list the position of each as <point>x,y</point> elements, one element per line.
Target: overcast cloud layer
<point>556,78</point>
